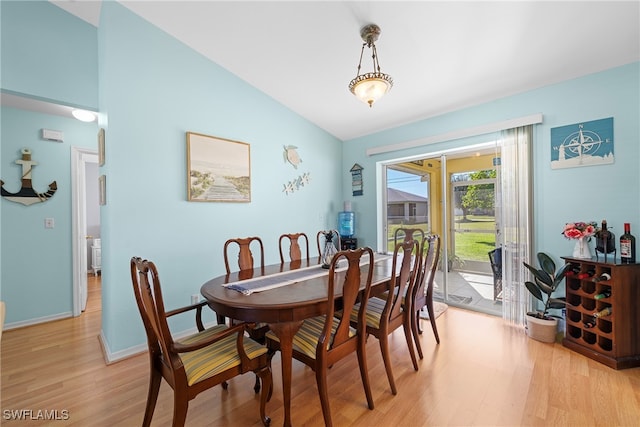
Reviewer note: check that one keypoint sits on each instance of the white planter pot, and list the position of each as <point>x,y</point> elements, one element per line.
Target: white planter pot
<point>541,329</point>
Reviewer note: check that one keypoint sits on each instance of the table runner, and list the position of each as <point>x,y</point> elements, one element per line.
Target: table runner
<point>264,283</point>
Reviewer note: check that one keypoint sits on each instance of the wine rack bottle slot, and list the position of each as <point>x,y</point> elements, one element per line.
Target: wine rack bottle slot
<point>586,275</point>
<point>588,303</point>
<point>589,337</point>
<point>574,332</point>
<point>604,326</point>
<point>604,276</point>
<point>574,315</point>
<point>588,287</point>
<point>605,344</point>
<point>603,293</point>
<point>574,300</point>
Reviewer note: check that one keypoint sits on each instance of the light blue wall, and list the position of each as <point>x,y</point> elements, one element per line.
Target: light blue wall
<point>48,54</point>
<point>588,193</point>
<point>153,90</point>
<point>37,262</point>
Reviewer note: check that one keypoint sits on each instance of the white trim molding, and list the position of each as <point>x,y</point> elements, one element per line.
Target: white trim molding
<point>457,134</point>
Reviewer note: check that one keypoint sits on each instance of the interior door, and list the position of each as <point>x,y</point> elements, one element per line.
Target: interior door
<point>80,183</point>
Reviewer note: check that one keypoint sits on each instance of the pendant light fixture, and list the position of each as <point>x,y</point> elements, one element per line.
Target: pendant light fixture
<point>369,87</point>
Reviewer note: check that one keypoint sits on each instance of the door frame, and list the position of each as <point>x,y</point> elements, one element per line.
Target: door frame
<point>79,159</point>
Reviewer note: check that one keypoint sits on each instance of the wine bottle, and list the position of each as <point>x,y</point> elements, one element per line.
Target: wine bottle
<point>605,239</point>
<point>603,313</point>
<point>574,270</point>
<point>586,274</point>
<point>600,278</point>
<point>604,294</point>
<point>627,246</point>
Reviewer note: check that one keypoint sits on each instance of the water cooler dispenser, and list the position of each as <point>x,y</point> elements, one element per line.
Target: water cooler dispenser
<point>347,228</point>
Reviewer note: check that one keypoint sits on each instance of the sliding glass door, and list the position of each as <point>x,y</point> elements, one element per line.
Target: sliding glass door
<point>457,193</point>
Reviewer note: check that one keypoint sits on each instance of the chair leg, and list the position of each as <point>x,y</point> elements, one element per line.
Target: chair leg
<point>364,371</point>
<point>264,375</point>
<point>406,325</point>
<point>256,386</point>
<point>415,325</point>
<point>432,319</point>
<point>321,380</point>
<point>152,396</point>
<point>386,356</point>
<point>180,406</point>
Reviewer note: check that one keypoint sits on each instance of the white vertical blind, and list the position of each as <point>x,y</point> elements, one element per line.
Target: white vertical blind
<point>516,221</point>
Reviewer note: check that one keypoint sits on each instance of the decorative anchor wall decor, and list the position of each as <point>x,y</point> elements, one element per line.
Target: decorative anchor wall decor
<point>27,196</point>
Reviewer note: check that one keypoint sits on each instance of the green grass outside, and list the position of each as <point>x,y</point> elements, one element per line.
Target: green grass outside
<point>469,245</point>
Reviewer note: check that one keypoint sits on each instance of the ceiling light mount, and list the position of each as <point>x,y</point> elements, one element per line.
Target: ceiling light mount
<point>369,87</point>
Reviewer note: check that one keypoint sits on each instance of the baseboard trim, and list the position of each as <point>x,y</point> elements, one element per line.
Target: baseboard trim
<point>113,357</point>
<point>37,321</point>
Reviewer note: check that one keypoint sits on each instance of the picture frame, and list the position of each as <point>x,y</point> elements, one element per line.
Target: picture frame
<point>101,147</point>
<point>102,190</point>
<point>218,169</point>
<point>587,143</point>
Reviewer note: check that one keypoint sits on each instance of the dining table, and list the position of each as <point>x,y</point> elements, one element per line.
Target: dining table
<point>284,295</point>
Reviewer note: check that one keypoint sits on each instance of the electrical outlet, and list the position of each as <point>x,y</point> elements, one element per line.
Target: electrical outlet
<point>195,298</point>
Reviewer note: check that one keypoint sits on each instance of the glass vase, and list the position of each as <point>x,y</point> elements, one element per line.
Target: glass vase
<point>581,249</point>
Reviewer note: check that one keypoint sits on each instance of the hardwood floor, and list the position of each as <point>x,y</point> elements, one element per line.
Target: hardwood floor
<point>483,373</point>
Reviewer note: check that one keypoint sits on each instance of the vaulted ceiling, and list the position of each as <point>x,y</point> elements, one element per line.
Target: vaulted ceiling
<point>442,55</point>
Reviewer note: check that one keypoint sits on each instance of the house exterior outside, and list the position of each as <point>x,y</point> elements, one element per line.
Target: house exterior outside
<point>406,208</point>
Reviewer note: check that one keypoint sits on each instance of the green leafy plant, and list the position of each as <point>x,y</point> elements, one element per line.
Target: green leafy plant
<point>547,280</point>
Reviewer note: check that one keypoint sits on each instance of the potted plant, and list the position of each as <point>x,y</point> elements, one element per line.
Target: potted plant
<point>453,260</point>
<point>541,325</point>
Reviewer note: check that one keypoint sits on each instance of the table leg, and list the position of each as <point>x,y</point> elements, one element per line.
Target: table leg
<point>285,332</point>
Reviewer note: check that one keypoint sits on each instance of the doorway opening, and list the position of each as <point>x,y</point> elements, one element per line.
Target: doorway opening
<point>87,248</point>
<point>454,194</point>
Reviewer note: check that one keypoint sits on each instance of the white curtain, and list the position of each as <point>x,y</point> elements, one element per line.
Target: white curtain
<point>516,227</point>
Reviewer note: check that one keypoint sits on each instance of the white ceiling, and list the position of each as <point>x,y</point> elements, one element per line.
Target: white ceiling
<point>442,55</point>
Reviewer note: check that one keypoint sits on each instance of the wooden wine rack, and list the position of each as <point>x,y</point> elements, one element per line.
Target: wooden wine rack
<point>615,339</point>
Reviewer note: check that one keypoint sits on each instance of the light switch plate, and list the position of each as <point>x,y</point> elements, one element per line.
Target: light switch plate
<point>49,223</point>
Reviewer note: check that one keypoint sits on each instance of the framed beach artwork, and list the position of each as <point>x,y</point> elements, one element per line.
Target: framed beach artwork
<point>219,170</point>
<point>582,144</point>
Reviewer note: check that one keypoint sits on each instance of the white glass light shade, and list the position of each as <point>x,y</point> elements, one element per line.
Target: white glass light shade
<point>370,87</point>
<point>84,115</point>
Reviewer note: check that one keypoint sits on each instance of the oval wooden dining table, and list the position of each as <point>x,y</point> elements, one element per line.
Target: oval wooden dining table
<point>284,308</point>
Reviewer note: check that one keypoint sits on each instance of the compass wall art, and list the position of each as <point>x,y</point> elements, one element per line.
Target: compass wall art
<point>582,144</point>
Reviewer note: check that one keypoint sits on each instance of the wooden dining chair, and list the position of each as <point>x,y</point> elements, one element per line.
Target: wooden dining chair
<point>197,362</point>
<point>407,234</point>
<point>246,264</point>
<point>324,340</point>
<point>422,294</point>
<point>245,253</point>
<point>295,250</point>
<point>321,240</point>
<point>385,314</point>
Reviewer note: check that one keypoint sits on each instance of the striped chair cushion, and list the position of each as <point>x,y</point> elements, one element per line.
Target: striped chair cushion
<point>375,306</point>
<point>306,339</point>
<point>217,357</point>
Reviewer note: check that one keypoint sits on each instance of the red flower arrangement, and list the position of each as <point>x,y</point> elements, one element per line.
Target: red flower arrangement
<point>578,230</point>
